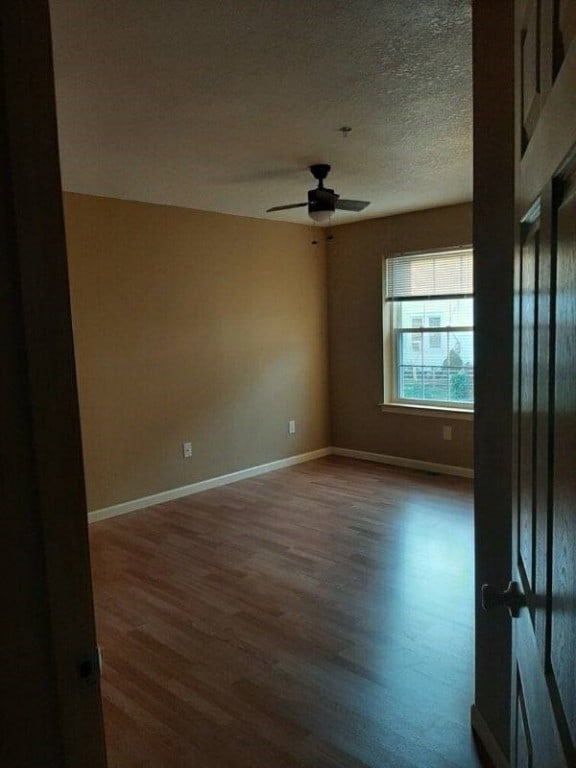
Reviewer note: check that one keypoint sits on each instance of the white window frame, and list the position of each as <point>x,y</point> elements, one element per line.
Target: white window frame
<point>391,403</point>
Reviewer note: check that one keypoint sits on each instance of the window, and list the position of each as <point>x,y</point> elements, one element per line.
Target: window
<point>433,366</point>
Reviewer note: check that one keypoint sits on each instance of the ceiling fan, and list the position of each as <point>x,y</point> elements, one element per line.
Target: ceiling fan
<point>323,202</point>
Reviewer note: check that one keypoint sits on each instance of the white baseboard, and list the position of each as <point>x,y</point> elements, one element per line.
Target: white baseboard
<point>244,474</point>
<point>204,485</point>
<point>486,737</point>
<point>399,461</point>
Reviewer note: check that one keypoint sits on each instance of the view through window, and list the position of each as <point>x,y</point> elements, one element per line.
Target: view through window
<point>429,301</point>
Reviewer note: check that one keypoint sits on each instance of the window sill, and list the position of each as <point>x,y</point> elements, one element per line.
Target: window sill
<point>435,411</point>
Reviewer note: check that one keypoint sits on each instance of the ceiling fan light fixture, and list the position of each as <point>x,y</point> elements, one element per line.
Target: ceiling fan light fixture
<point>320,217</point>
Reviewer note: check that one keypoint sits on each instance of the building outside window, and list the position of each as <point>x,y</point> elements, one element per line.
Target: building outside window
<point>429,329</point>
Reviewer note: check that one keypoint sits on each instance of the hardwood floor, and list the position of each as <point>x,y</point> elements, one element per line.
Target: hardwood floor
<point>315,617</point>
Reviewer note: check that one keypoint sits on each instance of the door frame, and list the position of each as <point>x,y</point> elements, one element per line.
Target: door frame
<point>493,236</point>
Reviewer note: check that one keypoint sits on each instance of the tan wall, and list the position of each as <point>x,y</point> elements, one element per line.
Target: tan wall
<point>192,326</point>
<point>355,321</point>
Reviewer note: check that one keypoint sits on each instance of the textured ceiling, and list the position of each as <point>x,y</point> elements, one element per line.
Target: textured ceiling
<point>221,106</point>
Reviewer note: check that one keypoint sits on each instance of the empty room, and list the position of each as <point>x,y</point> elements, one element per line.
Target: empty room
<point>288,345</point>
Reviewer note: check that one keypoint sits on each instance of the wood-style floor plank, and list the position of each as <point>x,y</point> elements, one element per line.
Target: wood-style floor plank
<point>316,617</point>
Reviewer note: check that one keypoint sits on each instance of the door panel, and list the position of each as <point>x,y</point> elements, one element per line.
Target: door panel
<point>563,636</point>
<point>523,740</point>
<point>528,356</point>
<point>530,46</point>
<point>544,541</point>
<point>564,30</point>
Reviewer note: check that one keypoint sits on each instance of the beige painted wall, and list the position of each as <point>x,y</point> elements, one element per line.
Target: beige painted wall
<point>355,321</point>
<point>192,326</point>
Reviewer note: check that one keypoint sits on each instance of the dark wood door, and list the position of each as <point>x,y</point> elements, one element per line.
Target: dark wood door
<point>544,513</point>
<point>50,702</point>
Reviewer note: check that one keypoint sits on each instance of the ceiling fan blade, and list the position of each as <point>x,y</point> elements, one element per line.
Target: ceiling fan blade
<point>351,205</point>
<point>285,207</point>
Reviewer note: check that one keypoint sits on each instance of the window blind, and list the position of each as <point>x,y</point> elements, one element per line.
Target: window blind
<point>446,274</point>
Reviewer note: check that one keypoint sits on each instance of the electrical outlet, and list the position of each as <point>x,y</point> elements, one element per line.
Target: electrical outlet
<point>291,427</point>
<point>187,450</point>
<point>447,432</point>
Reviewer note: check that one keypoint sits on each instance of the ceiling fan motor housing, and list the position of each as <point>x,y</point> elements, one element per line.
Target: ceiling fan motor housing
<point>322,200</point>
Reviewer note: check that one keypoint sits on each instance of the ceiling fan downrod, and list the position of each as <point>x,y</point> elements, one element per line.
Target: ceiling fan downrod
<point>320,171</point>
